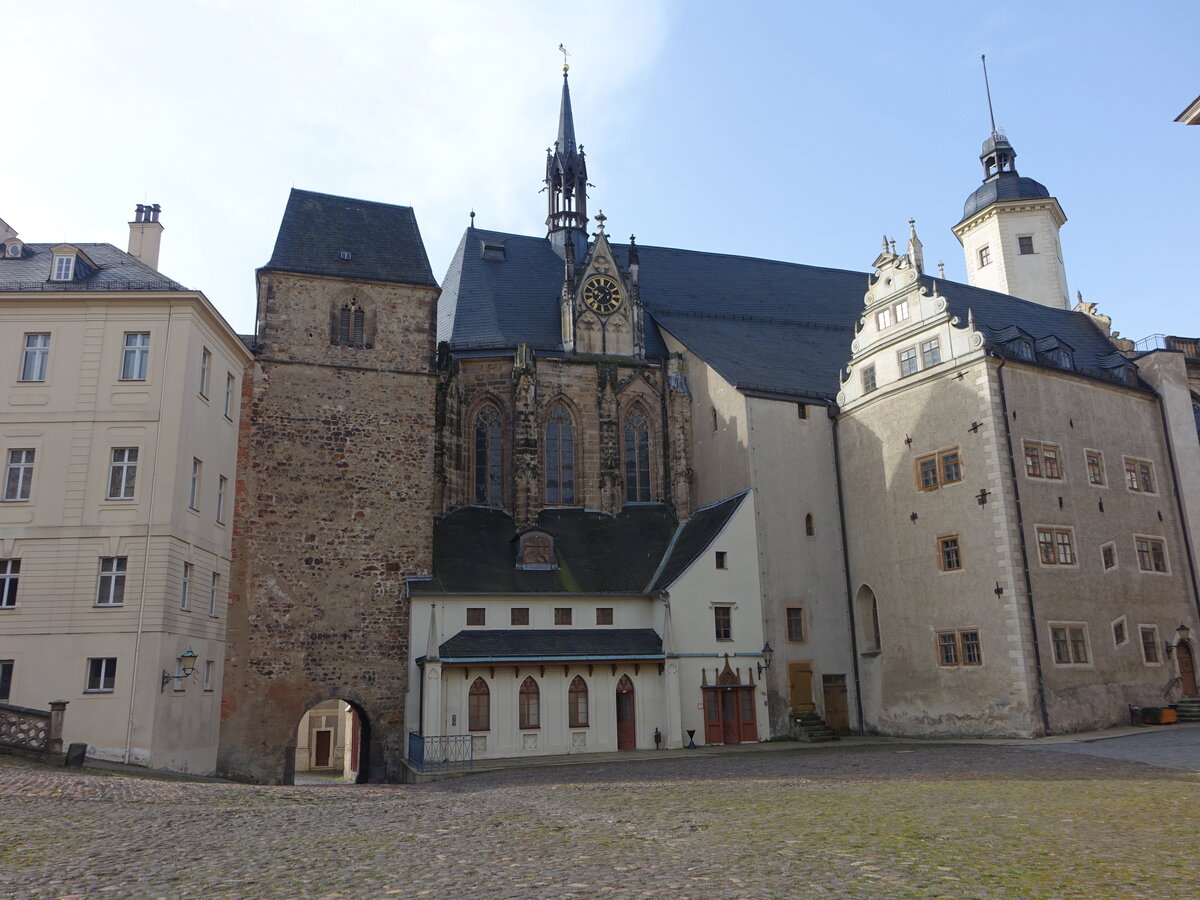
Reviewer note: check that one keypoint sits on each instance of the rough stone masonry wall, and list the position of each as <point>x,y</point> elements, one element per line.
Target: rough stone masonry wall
<point>334,510</point>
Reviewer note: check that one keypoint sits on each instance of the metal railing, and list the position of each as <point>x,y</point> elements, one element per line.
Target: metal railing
<point>1189,347</point>
<point>442,753</point>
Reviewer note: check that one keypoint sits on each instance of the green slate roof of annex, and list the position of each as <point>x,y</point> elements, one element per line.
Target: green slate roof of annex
<point>341,237</point>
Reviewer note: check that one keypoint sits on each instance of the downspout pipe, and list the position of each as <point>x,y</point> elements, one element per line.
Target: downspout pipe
<point>1183,522</point>
<point>837,468</point>
<point>1012,470</point>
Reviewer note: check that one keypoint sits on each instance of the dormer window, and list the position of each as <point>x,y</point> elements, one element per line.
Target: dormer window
<point>1060,358</point>
<point>1022,349</point>
<point>493,250</point>
<point>13,249</point>
<point>64,268</point>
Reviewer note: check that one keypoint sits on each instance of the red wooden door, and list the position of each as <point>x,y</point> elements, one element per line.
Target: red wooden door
<point>626,727</point>
<point>1187,669</point>
<point>712,717</point>
<point>747,727</point>
<point>730,732</point>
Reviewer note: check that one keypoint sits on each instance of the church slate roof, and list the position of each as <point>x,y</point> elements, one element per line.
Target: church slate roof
<point>1004,186</point>
<point>694,538</point>
<point>115,270</point>
<point>474,551</point>
<point>546,644</point>
<point>383,240</point>
<point>765,326</point>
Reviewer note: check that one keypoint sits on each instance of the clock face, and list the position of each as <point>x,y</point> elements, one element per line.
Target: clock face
<point>602,294</point>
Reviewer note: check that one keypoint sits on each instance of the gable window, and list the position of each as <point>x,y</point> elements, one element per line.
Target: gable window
<point>1042,460</point>
<point>110,586</point>
<point>64,268</point>
<point>723,622</point>
<point>1095,467</point>
<point>135,357</point>
<point>122,476</point>
<point>518,615</point>
<point>1139,475</point>
<point>205,369</point>
<point>795,624</point>
<point>604,615</point>
<point>637,459</point>
<point>562,615</point>
<point>6,676</point>
<point>908,362</point>
<point>560,458</point>
<point>102,675</point>
<point>529,707</point>
<point>901,310</point>
<point>476,615</point>
<point>883,318</point>
<point>1025,244</point>
<point>1151,554</point>
<point>1070,644</point>
<point>35,357</point>
<point>949,554</point>
<point>1120,632</point>
<point>479,706</point>
<point>959,648</point>
<point>350,325</point>
<point>186,588</point>
<point>577,703</point>
<point>214,592</point>
<point>985,256</point>
<point>230,385</point>
<point>194,485</point>
<point>868,378</point>
<point>18,477</point>
<point>720,559</point>
<point>489,451</point>
<point>931,353</point>
<point>10,572</point>
<point>1055,547</point>
<point>1108,555</point>
<point>1149,635</point>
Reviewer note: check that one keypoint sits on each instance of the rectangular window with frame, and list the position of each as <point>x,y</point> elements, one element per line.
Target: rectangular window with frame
<point>796,632</point>
<point>562,615</point>
<point>937,469</point>
<point>205,371</point>
<point>868,379</point>
<point>723,622</point>
<point>1055,546</point>
<point>927,472</point>
<point>64,268</point>
<point>1070,643</point>
<point>36,357</point>
<point>476,616</point>
<point>110,586</point>
<point>1151,554</point>
<point>194,486</point>
<point>185,589</point>
<point>1042,460</point>
<point>901,309</point>
<point>1108,556</point>
<point>214,593</point>
<point>1095,467</point>
<point>122,475</point>
<point>883,318</point>
<point>1139,475</point>
<point>222,488</point>
<point>604,615</point>
<point>1150,654</point>
<point>908,362</point>
<point>721,559</point>
<point>135,358</point>
<point>6,678</point>
<point>1025,244</point>
<point>959,648</point>
<point>18,476</point>
<point>985,256</point>
<point>1120,632</point>
<point>102,675</point>
<point>209,672</point>
<point>947,648</point>
<point>931,353</point>
<point>10,575</point>
<point>230,387</point>
<point>949,553</point>
<point>518,615</point>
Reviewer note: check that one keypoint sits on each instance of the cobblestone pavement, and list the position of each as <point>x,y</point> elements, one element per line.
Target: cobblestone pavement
<point>1173,747</point>
<point>883,821</point>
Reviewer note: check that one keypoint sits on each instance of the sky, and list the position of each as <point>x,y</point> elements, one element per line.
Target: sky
<point>800,131</point>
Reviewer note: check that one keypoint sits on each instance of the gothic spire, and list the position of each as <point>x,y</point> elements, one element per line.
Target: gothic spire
<point>566,181</point>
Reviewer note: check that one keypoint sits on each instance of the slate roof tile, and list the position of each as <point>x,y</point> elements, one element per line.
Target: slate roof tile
<point>116,271</point>
<point>559,643</point>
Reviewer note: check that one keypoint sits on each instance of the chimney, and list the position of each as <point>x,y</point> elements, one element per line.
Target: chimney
<point>145,234</point>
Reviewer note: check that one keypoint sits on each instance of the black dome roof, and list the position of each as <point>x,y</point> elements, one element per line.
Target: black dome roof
<point>1005,186</point>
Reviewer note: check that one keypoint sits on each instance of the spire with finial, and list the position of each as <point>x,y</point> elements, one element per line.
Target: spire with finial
<point>472,218</point>
<point>941,270</point>
<point>915,253</point>
<point>998,155</point>
<point>566,178</point>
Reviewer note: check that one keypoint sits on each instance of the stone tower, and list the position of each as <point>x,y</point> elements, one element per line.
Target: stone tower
<point>335,485</point>
<point>1009,231</point>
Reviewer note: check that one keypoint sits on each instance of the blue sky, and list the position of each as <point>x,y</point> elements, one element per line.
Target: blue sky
<point>799,131</point>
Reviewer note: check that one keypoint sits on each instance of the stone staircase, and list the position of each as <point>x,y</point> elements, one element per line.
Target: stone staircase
<point>1188,709</point>
<point>808,726</point>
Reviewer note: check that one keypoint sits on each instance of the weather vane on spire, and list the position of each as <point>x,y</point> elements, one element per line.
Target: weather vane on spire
<point>563,51</point>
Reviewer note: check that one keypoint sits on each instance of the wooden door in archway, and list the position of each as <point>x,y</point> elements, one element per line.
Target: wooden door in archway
<point>626,720</point>
<point>1187,669</point>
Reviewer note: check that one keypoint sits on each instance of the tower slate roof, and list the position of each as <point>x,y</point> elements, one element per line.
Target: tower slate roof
<point>383,240</point>
<point>1005,186</point>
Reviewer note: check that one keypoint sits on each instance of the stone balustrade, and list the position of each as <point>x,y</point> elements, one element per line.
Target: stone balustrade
<point>33,729</point>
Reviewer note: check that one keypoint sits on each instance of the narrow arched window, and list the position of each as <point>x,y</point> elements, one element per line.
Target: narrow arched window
<point>489,457</point>
<point>351,325</point>
<point>577,702</point>
<point>530,705</point>
<point>810,526</point>
<point>479,706</point>
<point>560,457</point>
<point>637,458</point>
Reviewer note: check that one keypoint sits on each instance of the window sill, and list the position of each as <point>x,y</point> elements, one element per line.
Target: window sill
<point>8,606</point>
<point>868,654</point>
<point>99,691</point>
<point>16,500</point>
<point>107,605</point>
<point>531,728</point>
<point>120,499</point>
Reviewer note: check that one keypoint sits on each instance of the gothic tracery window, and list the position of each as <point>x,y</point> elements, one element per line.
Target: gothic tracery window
<point>560,457</point>
<point>488,457</point>
<point>637,458</point>
<point>479,706</point>
<point>350,325</point>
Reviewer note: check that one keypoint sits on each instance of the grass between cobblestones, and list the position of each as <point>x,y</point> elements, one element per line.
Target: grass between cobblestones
<point>950,822</point>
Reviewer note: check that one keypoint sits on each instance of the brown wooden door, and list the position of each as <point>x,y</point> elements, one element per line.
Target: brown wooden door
<point>800,687</point>
<point>626,727</point>
<point>747,726</point>
<point>323,744</point>
<point>712,717</point>
<point>730,733</point>
<point>1187,669</point>
<point>837,709</point>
